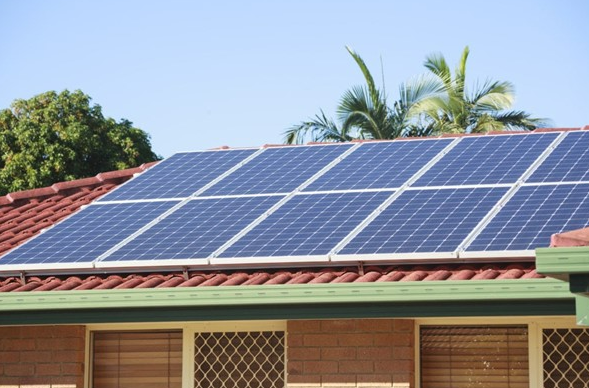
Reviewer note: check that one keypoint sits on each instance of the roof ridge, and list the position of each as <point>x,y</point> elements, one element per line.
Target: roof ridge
<point>116,176</point>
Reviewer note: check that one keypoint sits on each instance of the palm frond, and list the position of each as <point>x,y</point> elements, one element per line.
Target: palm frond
<point>319,128</point>
<point>493,96</point>
<point>372,89</point>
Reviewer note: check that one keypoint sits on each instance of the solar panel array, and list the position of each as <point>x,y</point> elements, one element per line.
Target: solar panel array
<point>490,197</point>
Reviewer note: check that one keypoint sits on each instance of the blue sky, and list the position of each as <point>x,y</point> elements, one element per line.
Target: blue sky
<point>198,75</point>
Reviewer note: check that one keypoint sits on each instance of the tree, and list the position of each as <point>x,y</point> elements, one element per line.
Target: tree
<point>57,137</point>
<point>430,104</point>
<point>363,113</point>
<point>455,110</point>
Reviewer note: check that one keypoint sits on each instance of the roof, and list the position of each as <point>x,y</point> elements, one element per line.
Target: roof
<point>573,238</point>
<point>24,214</point>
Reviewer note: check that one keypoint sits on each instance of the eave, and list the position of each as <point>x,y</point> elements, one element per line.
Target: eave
<point>358,300</point>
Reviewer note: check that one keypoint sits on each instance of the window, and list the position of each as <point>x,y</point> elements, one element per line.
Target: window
<point>198,355</point>
<point>142,359</point>
<point>474,356</point>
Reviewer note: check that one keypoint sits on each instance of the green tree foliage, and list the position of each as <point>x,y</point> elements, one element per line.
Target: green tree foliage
<point>456,110</point>
<point>364,113</point>
<point>431,104</point>
<point>58,137</point>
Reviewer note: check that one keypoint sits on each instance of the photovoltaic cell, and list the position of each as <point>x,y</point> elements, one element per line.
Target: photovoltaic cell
<point>179,176</point>
<point>487,160</point>
<point>568,162</point>
<point>196,230</point>
<point>278,170</point>
<point>307,225</point>
<point>532,215</point>
<point>379,165</point>
<point>87,234</point>
<point>425,221</point>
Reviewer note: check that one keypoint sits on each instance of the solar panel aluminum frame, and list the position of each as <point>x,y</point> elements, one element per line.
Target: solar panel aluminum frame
<point>309,259</point>
<point>488,256</point>
<point>397,258</point>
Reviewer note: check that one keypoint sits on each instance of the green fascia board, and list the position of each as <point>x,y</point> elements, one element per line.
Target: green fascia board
<point>582,310</point>
<point>562,262</point>
<point>280,295</point>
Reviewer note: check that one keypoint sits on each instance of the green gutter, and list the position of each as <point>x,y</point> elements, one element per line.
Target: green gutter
<point>310,301</point>
<point>562,262</point>
<point>441,291</point>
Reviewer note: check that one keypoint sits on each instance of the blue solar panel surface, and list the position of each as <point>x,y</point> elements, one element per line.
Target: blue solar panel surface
<point>196,230</point>
<point>532,215</point>
<point>307,225</point>
<point>179,176</point>
<point>425,221</point>
<point>278,170</point>
<point>487,160</point>
<point>379,165</point>
<point>87,234</point>
<point>568,162</point>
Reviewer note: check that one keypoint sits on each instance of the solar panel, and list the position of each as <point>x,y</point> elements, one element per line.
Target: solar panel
<point>278,170</point>
<point>179,176</point>
<point>308,224</point>
<point>487,160</point>
<point>568,162</point>
<point>87,234</point>
<point>196,230</point>
<point>379,165</point>
<point>425,221</point>
<point>532,215</point>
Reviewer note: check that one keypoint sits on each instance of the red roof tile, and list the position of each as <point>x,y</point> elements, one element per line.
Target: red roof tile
<point>280,276</point>
<point>574,238</point>
<point>23,214</point>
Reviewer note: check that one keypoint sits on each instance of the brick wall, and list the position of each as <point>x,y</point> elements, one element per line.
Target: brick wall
<point>42,356</point>
<point>351,353</point>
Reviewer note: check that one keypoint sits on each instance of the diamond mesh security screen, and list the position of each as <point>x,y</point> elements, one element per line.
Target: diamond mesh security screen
<point>239,359</point>
<point>566,358</point>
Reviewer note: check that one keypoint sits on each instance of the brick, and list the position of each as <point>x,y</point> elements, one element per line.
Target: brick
<point>295,367</point>
<point>17,344</point>
<point>358,339</point>
<point>403,340</point>
<point>304,354</point>
<point>60,343</point>
<point>394,366</point>
<point>10,332</point>
<point>375,353</point>
<point>338,380</point>
<point>19,369</point>
<point>320,367</point>
<point>319,340</point>
<point>382,379</point>
<point>403,325</point>
<point>356,367</point>
<point>338,326</point>
<point>403,353</point>
<point>305,326</point>
<point>294,340</point>
<point>48,369</point>
<point>338,354</point>
<point>9,357</point>
<point>69,356</point>
<point>375,325</point>
<point>72,369</point>
<point>36,356</point>
<point>306,381</point>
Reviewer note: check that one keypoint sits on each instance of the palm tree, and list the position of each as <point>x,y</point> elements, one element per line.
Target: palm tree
<point>458,111</point>
<point>363,113</point>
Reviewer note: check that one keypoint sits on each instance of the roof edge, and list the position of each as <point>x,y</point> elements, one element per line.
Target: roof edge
<point>312,294</point>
